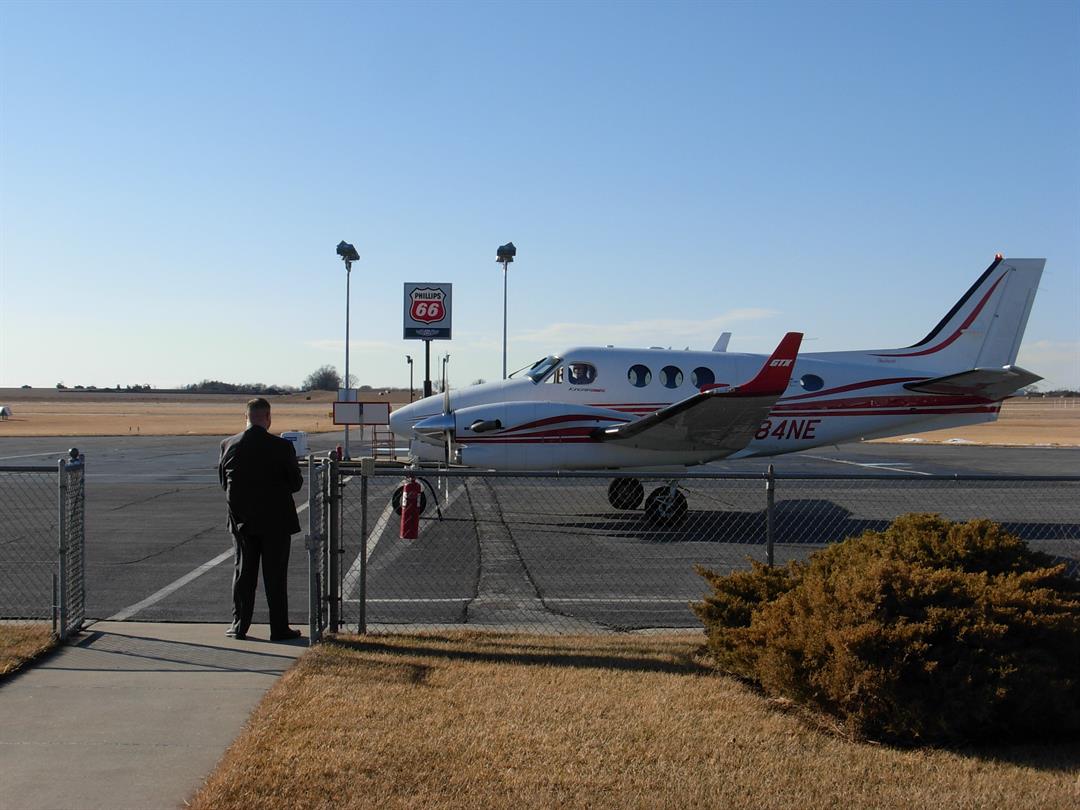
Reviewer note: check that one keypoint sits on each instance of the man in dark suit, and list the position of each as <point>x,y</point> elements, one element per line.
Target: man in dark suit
<point>259,473</point>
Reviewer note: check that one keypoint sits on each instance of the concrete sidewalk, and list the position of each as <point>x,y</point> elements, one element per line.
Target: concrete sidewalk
<point>131,715</point>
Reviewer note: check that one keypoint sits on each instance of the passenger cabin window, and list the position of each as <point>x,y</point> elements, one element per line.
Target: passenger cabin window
<point>811,382</point>
<point>639,376</point>
<point>580,373</point>
<point>701,377</point>
<point>541,368</point>
<point>671,377</point>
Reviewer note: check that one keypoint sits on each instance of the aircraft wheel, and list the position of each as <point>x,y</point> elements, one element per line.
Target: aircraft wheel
<point>665,506</point>
<point>396,500</point>
<point>625,493</point>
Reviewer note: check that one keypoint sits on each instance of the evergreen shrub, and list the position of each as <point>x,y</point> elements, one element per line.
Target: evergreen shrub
<point>926,632</point>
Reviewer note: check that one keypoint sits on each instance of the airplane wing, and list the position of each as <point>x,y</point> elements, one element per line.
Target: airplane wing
<point>991,383</point>
<point>713,420</point>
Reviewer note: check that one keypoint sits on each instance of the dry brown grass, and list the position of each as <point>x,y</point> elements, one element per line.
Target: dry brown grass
<point>475,720</point>
<point>20,643</point>
<point>55,413</point>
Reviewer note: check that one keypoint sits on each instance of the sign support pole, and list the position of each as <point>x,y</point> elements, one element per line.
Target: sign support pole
<point>427,368</point>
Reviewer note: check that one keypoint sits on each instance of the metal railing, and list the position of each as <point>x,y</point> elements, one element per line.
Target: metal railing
<point>550,552</point>
<point>43,545</point>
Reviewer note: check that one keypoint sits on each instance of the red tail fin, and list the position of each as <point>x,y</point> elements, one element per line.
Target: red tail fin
<point>774,376</point>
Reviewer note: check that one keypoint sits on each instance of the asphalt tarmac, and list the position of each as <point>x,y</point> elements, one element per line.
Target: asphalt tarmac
<point>520,552</point>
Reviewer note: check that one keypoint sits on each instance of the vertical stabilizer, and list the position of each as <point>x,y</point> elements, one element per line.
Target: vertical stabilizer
<point>984,328</point>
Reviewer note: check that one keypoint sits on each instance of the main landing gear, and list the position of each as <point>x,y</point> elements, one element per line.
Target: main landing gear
<point>625,493</point>
<point>665,505</point>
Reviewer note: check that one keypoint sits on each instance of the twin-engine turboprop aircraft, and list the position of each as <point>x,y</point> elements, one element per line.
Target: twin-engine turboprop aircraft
<point>590,408</point>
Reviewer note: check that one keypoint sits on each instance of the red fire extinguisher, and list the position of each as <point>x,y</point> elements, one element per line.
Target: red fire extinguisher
<point>410,509</point>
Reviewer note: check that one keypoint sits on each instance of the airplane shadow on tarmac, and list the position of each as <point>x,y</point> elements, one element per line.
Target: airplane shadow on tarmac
<point>811,521</point>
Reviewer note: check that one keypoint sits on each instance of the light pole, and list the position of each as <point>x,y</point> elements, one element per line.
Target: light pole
<point>348,255</point>
<point>408,359</point>
<point>504,255</point>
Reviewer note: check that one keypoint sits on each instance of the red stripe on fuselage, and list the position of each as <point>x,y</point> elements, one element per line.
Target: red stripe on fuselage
<point>853,387</point>
<point>887,412</point>
<point>897,401</point>
<point>554,420</point>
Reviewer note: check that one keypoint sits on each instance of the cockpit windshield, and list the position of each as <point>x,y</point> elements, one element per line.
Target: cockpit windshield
<point>541,368</point>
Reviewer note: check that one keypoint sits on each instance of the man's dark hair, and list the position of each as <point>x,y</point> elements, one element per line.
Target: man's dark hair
<point>257,405</point>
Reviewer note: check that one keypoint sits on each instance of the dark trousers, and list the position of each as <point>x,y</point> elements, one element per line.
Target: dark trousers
<point>273,550</point>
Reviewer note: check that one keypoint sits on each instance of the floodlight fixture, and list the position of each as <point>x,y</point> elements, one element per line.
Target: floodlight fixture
<point>505,253</point>
<point>347,253</point>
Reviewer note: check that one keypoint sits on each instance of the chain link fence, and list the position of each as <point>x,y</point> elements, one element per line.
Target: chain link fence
<point>580,552</point>
<point>42,545</point>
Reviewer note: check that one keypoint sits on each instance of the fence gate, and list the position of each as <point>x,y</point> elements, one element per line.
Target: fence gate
<point>43,545</point>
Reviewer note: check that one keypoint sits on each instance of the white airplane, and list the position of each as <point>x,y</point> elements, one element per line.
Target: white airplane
<point>606,408</point>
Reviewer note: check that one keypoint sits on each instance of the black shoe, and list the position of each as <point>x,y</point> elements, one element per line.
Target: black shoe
<point>285,635</point>
<point>232,632</point>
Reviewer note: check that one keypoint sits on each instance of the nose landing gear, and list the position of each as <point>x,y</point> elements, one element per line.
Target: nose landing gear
<point>665,506</point>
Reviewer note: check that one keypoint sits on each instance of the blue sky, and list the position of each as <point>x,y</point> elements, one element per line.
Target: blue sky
<point>174,178</point>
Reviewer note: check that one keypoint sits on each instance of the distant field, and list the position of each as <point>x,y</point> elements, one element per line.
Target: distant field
<point>1023,422</point>
<point>47,412</point>
<point>64,413</point>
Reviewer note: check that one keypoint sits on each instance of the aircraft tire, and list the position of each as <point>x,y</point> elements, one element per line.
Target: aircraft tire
<point>395,500</point>
<point>665,507</point>
<point>625,493</point>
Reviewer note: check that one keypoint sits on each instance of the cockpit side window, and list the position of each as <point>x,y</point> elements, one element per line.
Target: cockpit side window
<point>579,373</point>
<point>541,368</point>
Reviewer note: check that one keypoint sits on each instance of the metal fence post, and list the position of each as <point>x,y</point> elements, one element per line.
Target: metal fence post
<point>770,509</point>
<point>82,539</point>
<point>77,543</point>
<point>311,543</point>
<point>333,562</point>
<point>367,469</point>
<point>61,520</point>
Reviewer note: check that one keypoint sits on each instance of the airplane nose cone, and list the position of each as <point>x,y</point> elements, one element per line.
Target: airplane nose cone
<point>433,427</point>
<point>399,422</point>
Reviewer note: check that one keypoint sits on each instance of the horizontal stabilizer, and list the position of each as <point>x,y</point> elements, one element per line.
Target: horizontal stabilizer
<point>990,383</point>
<point>723,422</point>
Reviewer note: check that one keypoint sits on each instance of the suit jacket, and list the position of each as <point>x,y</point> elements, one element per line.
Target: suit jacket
<point>259,473</point>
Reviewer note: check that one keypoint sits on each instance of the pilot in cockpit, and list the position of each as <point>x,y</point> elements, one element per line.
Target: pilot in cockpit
<point>580,374</point>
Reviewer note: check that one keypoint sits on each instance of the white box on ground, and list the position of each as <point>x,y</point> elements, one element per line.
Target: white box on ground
<point>299,441</point>
<point>361,413</point>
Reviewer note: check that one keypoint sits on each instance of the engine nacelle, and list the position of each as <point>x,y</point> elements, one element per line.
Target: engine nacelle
<point>531,435</point>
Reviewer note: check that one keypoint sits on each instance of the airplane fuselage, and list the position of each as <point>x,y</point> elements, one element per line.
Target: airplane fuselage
<point>829,400</point>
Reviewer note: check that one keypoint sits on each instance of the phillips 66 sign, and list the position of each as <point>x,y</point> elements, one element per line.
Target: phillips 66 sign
<point>427,311</point>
